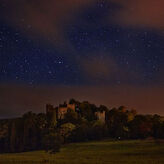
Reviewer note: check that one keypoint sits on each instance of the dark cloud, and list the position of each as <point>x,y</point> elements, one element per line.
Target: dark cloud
<point>47,19</point>
<point>99,67</point>
<point>102,68</point>
<point>140,13</point>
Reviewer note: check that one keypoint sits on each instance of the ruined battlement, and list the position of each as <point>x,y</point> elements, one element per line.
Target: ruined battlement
<point>100,116</point>
<point>61,110</point>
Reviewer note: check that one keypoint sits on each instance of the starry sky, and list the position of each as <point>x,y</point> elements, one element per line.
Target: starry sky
<point>108,52</point>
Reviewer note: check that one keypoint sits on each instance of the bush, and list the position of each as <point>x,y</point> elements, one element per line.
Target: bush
<point>52,142</point>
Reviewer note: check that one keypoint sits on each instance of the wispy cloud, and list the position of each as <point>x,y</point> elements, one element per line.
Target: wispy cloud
<point>99,67</point>
<point>140,13</point>
<point>47,19</point>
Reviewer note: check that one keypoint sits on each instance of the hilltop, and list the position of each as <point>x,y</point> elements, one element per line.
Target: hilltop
<point>76,121</point>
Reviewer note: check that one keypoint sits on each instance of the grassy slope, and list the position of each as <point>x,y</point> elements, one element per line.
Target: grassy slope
<point>117,152</point>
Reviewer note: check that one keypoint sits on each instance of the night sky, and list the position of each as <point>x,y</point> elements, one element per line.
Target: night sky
<point>108,52</point>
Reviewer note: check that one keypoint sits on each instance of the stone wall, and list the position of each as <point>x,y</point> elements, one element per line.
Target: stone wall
<point>100,116</point>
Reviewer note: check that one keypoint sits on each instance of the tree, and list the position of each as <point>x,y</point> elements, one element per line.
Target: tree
<point>157,128</point>
<point>98,130</point>
<point>66,130</point>
<point>131,115</point>
<point>16,135</point>
<point>80,134</point>
<point>13,137</point>
<point>52,142</point>
<point>140,127</point>
<point>51,116</point>
<point>31,131</point>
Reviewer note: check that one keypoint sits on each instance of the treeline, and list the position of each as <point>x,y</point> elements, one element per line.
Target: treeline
<point>45,131</point>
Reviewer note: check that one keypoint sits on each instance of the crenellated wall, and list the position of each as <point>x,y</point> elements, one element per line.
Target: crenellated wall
<point>100,116</point>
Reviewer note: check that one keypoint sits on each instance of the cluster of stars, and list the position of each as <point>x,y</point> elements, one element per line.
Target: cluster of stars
<point>139,51</point>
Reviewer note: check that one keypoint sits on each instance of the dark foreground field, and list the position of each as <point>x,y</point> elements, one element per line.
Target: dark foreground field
<point>108,152</point>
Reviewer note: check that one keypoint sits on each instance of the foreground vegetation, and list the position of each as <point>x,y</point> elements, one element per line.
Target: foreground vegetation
<point>114,152</point>
<point>75,122</point>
